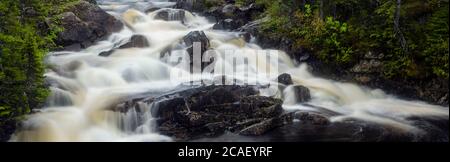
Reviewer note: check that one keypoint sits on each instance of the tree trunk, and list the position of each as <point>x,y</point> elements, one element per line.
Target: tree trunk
<point>321,9</point>
<point>397,29</point>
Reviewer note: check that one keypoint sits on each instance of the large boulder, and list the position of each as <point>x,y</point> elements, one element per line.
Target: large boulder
<point>94,14</point>
<point>196,36</point>
<point>200,38</point>
<point>76,34</point>
<point>302,93</point>
<point>285,79</point>
<point>212,110</point>
<point>267,125</point>
<point>171,15</point>
<point>85,23</point>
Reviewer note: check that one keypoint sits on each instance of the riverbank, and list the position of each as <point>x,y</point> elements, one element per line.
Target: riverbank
<point>367,66</point>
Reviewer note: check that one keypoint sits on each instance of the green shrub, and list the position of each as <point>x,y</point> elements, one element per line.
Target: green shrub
<point>340,32</point>
<point>24,41</point>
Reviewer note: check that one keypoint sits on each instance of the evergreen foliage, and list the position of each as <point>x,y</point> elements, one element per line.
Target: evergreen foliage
<point>26,35</point>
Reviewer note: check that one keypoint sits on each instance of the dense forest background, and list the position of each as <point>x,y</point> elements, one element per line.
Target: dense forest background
<point>411,34</point>
<point>411,37</point>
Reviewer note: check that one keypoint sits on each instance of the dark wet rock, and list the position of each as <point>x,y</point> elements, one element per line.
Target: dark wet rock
<point>230,1</point>
<point>106,53</point>
<point>171,15</point>
<point>85,23</point>
<point>246,36</point>
<point>197,36</point>
<point>97,17</point>
<point>92,1</point>
<point>350,130</point>
<point>222,12</point>
<point>267,125</point>
<point>152,9</point>
<point>7,129</point>
<point>76,32</point>
<point>314,118</point>
<point>429,89</point>
<point>230,10</point>
<point>190,5</point>
<point>73,47</point>
<point>435,129</point>
<point>209,111</point>
<point>227,24</point>
<point>253,27</point>
<point>302,93</point>
<point>30,12</point>
<point>285,79</point>
<point>200,38</point>
<point>136,41</point>
<point>198,113</point>
<point>215,12</point>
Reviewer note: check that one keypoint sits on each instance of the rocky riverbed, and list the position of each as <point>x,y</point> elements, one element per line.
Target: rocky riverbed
<point>118,88</point>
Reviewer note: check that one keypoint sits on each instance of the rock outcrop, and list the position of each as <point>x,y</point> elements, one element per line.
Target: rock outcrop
<point>171,15</point>
<point>85,23</point>
<point>302,94</point>
<point>196,38</point>
<point>227,24</point>
<point>136,41</point>
<point>212,110</point>
<point>285,79</point>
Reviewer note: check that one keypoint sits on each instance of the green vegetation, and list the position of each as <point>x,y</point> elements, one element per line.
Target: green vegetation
<point>25,38</point>
<point>340,32</point>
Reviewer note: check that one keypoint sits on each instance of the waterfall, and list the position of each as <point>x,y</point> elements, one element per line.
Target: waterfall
<point>88,85</point>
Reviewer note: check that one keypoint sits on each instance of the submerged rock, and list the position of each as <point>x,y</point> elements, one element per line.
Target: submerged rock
<point>171,15</point>
<point>152,9</point>
<point>136,41</point>
<point>302,93</point>
<point>106,53</point>
<point>227,24</point>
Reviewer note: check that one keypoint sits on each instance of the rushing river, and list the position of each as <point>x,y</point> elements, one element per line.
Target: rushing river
<point>87,84</point>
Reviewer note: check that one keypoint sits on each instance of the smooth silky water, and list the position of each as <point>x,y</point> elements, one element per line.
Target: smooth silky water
<point>84,85</point>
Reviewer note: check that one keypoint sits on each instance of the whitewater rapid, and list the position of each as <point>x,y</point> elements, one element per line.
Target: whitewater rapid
<point>85,85</point>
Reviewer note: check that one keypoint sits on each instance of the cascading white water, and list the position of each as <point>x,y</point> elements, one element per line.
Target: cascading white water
<point>86,85</point>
